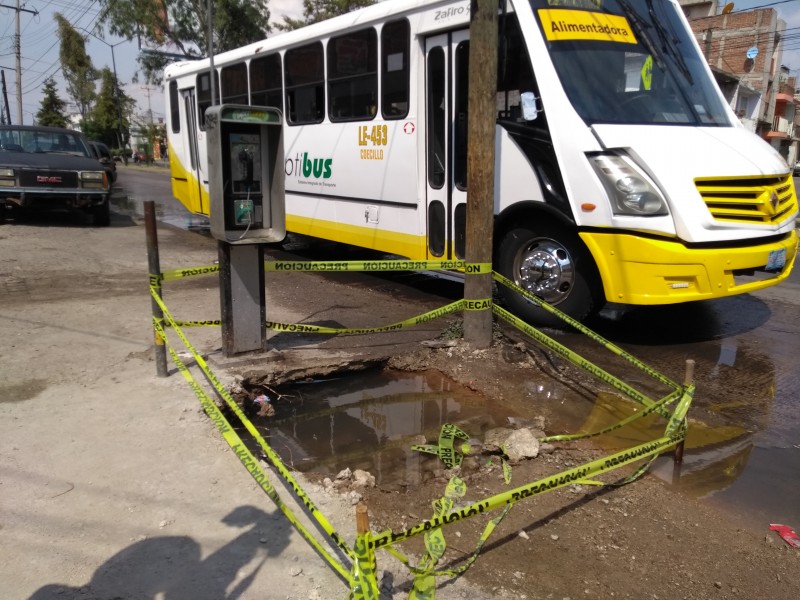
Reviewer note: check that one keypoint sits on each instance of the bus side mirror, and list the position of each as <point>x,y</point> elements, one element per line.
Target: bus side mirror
<point>528,101</point>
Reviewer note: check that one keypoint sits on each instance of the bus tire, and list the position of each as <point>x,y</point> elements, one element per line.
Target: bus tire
<point>553,264</point>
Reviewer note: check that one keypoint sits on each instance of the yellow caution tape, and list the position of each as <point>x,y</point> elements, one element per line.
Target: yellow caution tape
<point>485,304</point>
<point>583,363</point>
<point>211,323</point>
<point>435,544</point>
<point>278,266</point>
<point>447,453</point>
<point>189,272</point>
<point>378,265</point>
<point>273,458</point>
<point>412,322</point>
<point>363,575</point>
<point>583,329</point>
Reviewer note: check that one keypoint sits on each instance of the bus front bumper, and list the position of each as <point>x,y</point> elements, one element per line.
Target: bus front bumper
<point>637,270</point>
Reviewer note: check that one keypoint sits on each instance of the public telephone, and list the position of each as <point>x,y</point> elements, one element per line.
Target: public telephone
<point>246,176</point>
<point>243,200</point>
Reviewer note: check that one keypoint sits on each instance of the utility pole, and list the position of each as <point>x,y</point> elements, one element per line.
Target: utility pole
<point>5,118</point>
<point>480,168</point>
<point>18,53</point>
<point>148,89</point>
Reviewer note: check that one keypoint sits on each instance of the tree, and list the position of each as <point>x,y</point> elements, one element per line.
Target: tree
<point>315,11</point>
<point>153,133</point>
<point>108,119</point>
<point>181,25</point>
<point>79,73</point>
<point>51,111</point>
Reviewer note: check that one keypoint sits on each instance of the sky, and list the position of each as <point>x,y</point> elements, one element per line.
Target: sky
<point>40,48</point>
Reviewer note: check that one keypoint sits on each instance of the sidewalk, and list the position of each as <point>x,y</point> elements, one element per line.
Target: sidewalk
<point>113,482</point>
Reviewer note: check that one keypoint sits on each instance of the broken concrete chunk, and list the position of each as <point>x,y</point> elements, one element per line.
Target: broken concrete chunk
<point>521,444</point>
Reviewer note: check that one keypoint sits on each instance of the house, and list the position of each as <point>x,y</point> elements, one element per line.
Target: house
<point>744,50</point>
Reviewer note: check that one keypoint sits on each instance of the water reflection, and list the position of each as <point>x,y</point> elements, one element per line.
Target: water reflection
<point>369,421</point>
<point>172,213</point>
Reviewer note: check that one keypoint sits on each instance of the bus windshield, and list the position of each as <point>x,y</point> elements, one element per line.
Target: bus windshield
<point>629,61</point>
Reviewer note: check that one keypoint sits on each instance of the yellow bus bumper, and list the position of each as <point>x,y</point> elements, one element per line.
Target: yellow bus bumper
<point>637,270</point>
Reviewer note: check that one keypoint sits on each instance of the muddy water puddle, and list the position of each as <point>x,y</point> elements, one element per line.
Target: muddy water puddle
<point>369,420</point>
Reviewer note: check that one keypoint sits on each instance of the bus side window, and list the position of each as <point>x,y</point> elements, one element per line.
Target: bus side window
<point>266,87</point>
<point>204,96</point>
<point>353,76</point>
<point>234,84</point>
<point>305,85</point>
<point>174,107</point>
<point>394,69</point>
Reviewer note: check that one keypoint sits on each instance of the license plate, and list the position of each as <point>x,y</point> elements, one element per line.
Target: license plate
<point>776,260</point>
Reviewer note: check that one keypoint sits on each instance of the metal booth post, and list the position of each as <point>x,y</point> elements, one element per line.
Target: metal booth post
<point>247,209</point>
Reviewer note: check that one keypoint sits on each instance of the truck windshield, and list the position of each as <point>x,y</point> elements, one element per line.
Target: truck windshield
<point>42,141</point>
<point>629,61</point>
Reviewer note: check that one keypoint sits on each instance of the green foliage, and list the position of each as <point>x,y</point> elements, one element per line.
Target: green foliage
<point>315,11</point>
<point>108,120</point>
<point>51,111</point>
<point>152,133</point>
<point>79,73</point>
<point>180,27</point>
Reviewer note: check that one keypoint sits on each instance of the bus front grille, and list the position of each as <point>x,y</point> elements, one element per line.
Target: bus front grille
<point>768,200</point>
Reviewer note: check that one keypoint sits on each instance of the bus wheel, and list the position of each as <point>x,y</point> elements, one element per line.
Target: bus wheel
<point>556,267</point>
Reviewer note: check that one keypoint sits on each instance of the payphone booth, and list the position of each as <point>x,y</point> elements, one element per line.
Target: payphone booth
<point>245,174</point>
<point>247,210</point>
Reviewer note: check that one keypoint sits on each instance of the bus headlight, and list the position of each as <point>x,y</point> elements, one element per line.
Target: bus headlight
<point>630,190</point>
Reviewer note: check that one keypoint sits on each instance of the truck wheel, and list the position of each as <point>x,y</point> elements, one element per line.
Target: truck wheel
<point>549,262</point>
<point>101,214</point>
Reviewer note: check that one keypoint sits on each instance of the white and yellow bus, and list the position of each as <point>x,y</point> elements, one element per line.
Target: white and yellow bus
<point>621,174</point>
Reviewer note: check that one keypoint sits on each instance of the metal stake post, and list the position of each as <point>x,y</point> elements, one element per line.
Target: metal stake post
<point>153,263</point>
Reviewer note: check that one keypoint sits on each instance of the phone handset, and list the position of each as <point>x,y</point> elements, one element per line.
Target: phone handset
<point>243,211</point>
<point>246,167</point>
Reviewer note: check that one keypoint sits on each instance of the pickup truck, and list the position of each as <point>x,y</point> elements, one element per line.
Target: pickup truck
<point>51,168</point>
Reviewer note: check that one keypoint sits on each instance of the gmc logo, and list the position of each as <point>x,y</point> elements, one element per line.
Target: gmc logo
<point>46,179</point>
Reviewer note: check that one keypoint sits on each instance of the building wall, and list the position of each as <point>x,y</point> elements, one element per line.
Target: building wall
<point>725,41</point>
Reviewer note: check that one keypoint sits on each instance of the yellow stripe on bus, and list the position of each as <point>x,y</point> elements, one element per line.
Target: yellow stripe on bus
<point>392,242</point>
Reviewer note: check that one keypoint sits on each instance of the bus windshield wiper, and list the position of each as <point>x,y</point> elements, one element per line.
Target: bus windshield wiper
<point>668,42</point>
<point>640,29</point>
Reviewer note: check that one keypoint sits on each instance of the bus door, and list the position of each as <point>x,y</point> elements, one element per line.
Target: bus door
<point>446,69</point>
<point>195,173</point>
